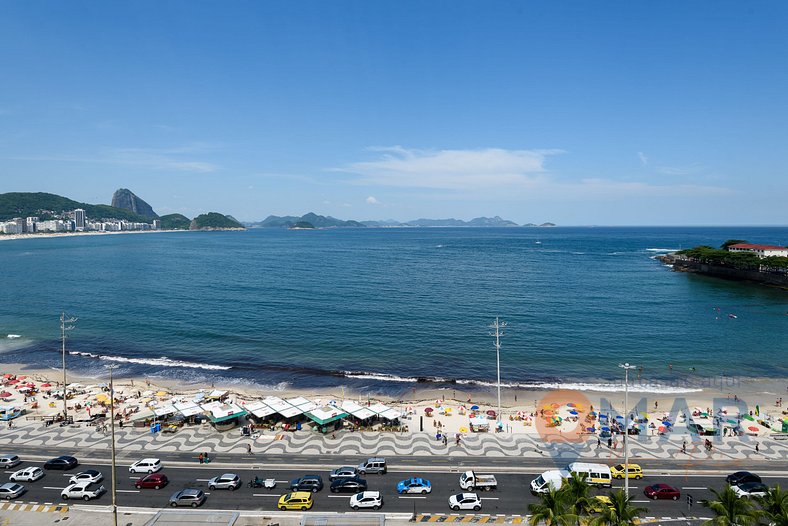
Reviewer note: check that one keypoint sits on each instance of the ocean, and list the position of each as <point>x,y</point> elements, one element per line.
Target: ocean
<point>386,310</point>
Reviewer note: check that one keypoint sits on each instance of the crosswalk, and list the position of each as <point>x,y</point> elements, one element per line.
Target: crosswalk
<point>34,506</point>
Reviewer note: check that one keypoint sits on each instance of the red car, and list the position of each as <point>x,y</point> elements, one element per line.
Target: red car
<point>662,491</point>
<point>154,480</point>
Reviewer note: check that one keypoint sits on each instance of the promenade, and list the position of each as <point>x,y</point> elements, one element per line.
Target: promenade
<point>203,437</point>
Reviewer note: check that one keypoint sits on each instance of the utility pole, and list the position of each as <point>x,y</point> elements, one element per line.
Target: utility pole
<point>64,327</point>
<point>626,368</point>
<point>111,367</point>
<point>498,326</point>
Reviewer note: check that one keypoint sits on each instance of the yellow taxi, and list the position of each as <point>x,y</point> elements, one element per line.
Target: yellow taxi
<point>297,500</point>
<point>635,471</point>
<point>599,503</point>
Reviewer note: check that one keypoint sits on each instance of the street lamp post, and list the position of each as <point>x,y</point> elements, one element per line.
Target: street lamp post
<point>112,431</point>
<point>498,326</point>
<point>626,368</point>
<point>65,327</point>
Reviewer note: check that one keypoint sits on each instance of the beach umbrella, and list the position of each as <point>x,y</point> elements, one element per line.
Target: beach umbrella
<point>14,381</point>
<point>555,406</point>
<point>619,417</point>
<point>571,404</point>
<point>428,410</point>
<point>161,393</point>
<point>474,408</point>
<point>590,429</point>
<point>753,429</point>
<point>21,377</point>
<point>572,412</point>
<point>8,375</point>
<point>602,416</point>
<point>605,428</point>
<point>662,429</point>
<point>748,417</point>
<point>548,413</point>
<point>491,413</point>
<point>593,413</point>
<point>667,423</point>
<point>46,385</point>
<point>5,394</point>
<point>463,430</point>
<point>30,384</point>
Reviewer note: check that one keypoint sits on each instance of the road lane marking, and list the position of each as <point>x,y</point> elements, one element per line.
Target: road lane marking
<point>641,501</point>
<point>127,490</point>
<point>693,488</point>
<point>202,480</point>
<point>50,487</point>
<point>264,495</point>
<point>338,496</point>
<point>409,497</point>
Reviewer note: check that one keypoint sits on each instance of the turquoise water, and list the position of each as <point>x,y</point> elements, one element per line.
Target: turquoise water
<point>378,309</point>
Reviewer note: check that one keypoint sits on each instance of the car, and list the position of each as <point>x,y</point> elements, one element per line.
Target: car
<point>63,463</point>
<point>750,489</point>
<point>599,504</point>
<point>414,485</point>
<point>661,491</point>
<point>353,485</point>
<point>296,500</point>
<point>373,465</point>
<point>9,461</point>
<point>187,497</point>
<point>10,490</point>
<point>313,483</point>
<point>154,480</point>
<point>345,472</point>
<point>465,501</point>
<point>31,474</point>
<point>90,475</point>
<point>634,471</point>
<point>740,477</point>
<point>366,499</point>
<point>146,465</point>
<point>83,490</point>
<point>229,481</point>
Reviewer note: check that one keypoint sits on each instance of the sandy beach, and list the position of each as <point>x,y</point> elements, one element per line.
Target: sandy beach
<point>10,237</point>
<point>564,413</point>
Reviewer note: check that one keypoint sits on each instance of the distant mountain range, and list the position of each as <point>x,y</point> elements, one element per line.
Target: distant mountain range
<point>319,221</point>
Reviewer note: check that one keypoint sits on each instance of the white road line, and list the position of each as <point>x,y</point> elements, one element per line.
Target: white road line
<point>693,487</point>
<point>127,490</point>
<point>50,487</point>
<point>283,482</point>
<point>264,495</point>
<point>409,497</point>
<point>641,501</point>
<point>202,480</point>
<point>48,504</point>
<point>489,498</point>
<point>338,496</point>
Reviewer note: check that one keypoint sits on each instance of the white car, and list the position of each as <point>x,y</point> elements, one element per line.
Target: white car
<point>750,489</point>
<point>366,499</point>
<point>465,501</point>
<point>146,465</point>
<point>31,474</point>
<point>90,475</point>
<point>83,490</point>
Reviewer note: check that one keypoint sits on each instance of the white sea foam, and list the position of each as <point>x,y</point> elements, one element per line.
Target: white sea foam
<point>662,250</point>
<point>14,336</point>
<point>378,376</point>
<point>162,362</point>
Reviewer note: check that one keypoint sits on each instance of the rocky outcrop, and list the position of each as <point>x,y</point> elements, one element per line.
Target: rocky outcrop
<point>126,200</point>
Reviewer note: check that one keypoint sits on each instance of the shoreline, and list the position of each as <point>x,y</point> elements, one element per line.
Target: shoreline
<point>49,235</point>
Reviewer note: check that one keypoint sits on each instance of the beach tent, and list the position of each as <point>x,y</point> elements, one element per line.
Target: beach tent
<point>259,409</point>
<point>326,414</point>
<point>142,415</point>
<point>282,407</point>
<point>187,409</point>
<point>479,421</point>
<point>164,410</point>
<point>216,394</point>
<point>302,403</point>
<point>358,411</point>
<point>384,411</point>
<point>220,412</point>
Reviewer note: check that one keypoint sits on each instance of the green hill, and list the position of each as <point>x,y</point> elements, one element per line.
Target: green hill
<point>175,222</point>
<point>213,220</point>
<point>45,206</point>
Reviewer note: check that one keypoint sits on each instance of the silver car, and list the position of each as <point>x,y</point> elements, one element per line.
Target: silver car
<point>229,481</point>
<point>11,490</point>
<point>345,472</point>
<point>187,497</point>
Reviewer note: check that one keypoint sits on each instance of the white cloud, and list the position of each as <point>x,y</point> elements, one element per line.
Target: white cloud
<point>372,201</point>
<point>689,169</point>
<point>643,158</point>
<point>450,169</point>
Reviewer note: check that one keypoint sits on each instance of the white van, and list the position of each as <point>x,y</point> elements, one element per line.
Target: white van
<point>595,474</point>
<point>549,480</point>
<point>146,465</point>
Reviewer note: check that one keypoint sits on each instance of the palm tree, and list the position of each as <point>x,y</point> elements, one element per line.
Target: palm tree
<point>729,509</point>
<point>621,512</point>
<point>577,490</point>
<point>774,507</point>
<point>552,509</point>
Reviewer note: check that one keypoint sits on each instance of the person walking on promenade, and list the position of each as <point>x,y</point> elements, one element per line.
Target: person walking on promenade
<point>206,457</point>
<point>684,447</point>
<point>200,458</point>
<point>248,449</point>
<point>445,440</point>
<point>757,448</point>
<point>610,443</point>
<point>598,442</point>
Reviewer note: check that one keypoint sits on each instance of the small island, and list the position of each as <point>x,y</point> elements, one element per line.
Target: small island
<point>302,225</point>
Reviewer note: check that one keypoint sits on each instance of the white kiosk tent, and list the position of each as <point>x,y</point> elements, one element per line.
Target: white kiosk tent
<point>358,411</point>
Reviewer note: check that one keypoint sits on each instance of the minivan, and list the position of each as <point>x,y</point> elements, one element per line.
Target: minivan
<point>9,461</point>
<point>372,465</point>
<point>595,474</point>
<point>146,465</point>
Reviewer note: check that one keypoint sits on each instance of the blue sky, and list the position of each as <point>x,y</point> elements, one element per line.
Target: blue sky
<point>615,113</point>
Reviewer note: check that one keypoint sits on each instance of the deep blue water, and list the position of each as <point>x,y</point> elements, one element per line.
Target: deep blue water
<point>275,306</point>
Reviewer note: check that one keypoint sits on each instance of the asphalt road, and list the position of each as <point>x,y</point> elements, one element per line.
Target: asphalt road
<point>511,497</point>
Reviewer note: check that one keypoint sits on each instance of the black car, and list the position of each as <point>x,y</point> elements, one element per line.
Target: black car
<point>351,485</point>
<point>313,483</point>
<point>63,463</point>
<point>740,477</point>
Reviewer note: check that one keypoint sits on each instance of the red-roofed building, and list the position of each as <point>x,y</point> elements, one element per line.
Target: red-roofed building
<point>762,251</point>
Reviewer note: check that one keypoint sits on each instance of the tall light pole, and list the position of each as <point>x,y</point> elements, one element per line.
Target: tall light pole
<point>498,326</point>
<point>65,327</point>
<point>111,367</point>
<point>626,368</point>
